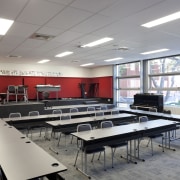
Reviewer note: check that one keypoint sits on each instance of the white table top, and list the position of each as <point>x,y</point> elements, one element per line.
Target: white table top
<point>88,119</point>
<point>50,116</point>
<point>123,129</point>
<point>22,159</point>
<point>157,114</point>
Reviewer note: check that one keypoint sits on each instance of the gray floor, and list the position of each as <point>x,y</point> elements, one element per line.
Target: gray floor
<point>160,166</point>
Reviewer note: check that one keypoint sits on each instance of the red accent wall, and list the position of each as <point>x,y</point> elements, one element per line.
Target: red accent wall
<point>31,82</point>
<point>105,86</point>
<point>69,85</point>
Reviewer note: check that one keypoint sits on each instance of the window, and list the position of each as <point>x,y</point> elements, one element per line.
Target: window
<point>164,78</point>
<point>128,83</point>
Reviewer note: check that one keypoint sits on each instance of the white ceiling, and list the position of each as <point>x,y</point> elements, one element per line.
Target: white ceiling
<point>77,22</point>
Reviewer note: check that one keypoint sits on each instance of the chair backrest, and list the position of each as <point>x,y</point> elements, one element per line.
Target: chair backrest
<point>153,109</point>
<point>166,111</point>
<point>57,111</point>
<point>65,117</point>
<point>106,124</point>
<point>72,110</point>
<point>143,119</point>
<point>21,90</point>
<point>133,107</point>
<point>91,108</point>
<point>114,112</point>
<point>99,113</point>
<point>84,127</point>
<point>103,107</point>
<point>15,115</point>
<point>33,113</point>
<point>11,89</point>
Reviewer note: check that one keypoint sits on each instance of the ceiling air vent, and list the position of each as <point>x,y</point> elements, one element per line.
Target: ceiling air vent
<point>75,61</point>
<point>44,37</point>
<point>13,56</point>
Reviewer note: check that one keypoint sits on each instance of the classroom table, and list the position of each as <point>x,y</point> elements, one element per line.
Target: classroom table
<point>106,136</point>
<point>22,159</point>
<point>65,125</point>
<point>155,115</point>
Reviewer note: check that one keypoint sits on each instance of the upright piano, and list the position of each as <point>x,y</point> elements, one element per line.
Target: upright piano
<point>144,101</point>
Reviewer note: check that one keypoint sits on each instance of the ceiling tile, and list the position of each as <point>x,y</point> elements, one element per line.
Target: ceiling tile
<point>39,12</point>
<point>68,18</point>
<point>92,5</point>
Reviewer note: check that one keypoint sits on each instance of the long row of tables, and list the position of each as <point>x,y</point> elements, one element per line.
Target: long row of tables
<point>106,136</point>
<point>156,115</point>
<point>22,159</point>
<point>95,137</point>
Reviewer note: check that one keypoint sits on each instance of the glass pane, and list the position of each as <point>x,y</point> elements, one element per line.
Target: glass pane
<point>127,97</point>
<point>170,97</point>
<point>129,69</point>
<point>164,65</point>
<point>165,81</point>
<point>129,83</point>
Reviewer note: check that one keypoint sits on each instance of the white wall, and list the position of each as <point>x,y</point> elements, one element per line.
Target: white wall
<point>102,71</point>
<point>65,71</point>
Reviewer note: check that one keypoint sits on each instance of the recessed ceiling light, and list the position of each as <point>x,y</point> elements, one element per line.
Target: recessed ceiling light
<point>162,20</point>
<point>66,53</point>
<point>5,24</point>
<point>100,41</point>
<point>89,64</point>
<point>114,59</point>
<point>155,51</point>
<point>43,61</point>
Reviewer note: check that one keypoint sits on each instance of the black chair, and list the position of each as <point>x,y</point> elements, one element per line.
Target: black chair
<point>151,137</point>
<point>56,129</point>
<point>68,131</point>
<point>90,150</point>
<point>103,108</point>
<point>99,114</point>
<point>23,128</point>
<point>91,108</point>
<point>57,111</point>
<point>11,91</point>
<point>22,92</point>
<point>113,146</point>
<point>73,110</point>
<point>35,126</point>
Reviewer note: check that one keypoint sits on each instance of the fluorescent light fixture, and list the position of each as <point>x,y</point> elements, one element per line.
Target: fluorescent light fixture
<point>5,24</point>
<point>43,61</point>
<point>89,64</point>
<point>155,51</point>
<point>100,41</point>
<point>162,20</point>
<point>114,59</point>
<point>66,53</point>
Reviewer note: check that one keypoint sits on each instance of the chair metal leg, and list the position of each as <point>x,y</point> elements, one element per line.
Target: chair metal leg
<point>151,147</point>
<point>112,156</point>
<point>148,142</point>
<point>71,139</point>
<point>92,157</point>
<point>76,158</point>
<point>59,139</point>
<point>104,160</point>
<point>99,156</point>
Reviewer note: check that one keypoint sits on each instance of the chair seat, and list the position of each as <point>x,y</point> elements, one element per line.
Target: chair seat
<point>155,136</point>
<point>115,145</point>
<point>94,150</point>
